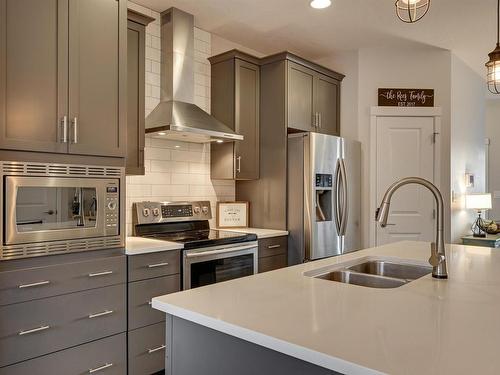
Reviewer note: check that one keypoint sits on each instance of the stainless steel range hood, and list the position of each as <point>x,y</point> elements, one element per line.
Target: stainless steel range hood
<point>176,117</point>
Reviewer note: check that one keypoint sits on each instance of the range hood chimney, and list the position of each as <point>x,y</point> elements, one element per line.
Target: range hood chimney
<point>176,117</point>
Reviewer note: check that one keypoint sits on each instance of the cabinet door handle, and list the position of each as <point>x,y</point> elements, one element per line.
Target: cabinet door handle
<point>314,119</point>
<point>34,330</point>
<point>74,124</point>
<point>273,246</point>
<point>103,367</point>
<point>40,283</point>
<point>97,315</point>
<point>150,351</point>
<point>158,265</point>
<point>319,120</point>
<point>238,168</point>
<point>63,132</point>
<point>103,273</point>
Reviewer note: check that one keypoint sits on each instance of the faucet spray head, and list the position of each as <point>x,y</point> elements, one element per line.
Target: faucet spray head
<point>383,213</point>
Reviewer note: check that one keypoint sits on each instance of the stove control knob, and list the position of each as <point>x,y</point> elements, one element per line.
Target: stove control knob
<point>156,211</point>
<point>146,212</point>
<point>197,210</point>
<point>205,210</point>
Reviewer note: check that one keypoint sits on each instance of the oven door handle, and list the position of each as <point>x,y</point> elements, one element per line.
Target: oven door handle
<point>219,251</point>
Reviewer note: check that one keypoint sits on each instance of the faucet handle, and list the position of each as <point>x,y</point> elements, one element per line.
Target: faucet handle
<point>435,258</point>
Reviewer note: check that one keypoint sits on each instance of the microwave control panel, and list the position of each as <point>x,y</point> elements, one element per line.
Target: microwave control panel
<point>112,208</point>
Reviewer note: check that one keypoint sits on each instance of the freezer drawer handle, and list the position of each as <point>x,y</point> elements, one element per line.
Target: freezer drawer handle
<point>273,246</point>
<point>34,330</point>
<point>100,273</point>
<point>151,351</point>
<point>97,315</point>
<point>93,370</point>
<point>158,265</point>
<point>40,283</point>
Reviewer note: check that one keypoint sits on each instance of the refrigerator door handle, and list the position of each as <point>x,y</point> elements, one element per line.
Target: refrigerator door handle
<point>336,198</point>
<point>345,202</point>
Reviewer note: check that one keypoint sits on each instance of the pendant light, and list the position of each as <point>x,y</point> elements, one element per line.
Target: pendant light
<point>410,11</point>
<point>493,66</point>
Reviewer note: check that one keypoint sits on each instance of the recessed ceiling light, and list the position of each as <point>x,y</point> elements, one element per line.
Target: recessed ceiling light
<point>220,141</point>
<point>320,4</point>
<point>162,133</point>
<point>177,146</point>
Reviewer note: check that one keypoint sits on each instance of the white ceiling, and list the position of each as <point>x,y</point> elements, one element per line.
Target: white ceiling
<point>467,27</point>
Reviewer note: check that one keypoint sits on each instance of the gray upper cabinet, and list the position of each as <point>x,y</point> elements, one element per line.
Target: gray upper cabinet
<point>313,98</point>
<point>235,101</point>
<point>65,80</point>
<point>136,47</point>
<point>34,71</point>
<point>327,101</point>
<point>97,77</point>
<point>301,108</point>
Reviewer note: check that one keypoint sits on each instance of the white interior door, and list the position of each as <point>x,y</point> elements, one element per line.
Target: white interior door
<point>405,147</point>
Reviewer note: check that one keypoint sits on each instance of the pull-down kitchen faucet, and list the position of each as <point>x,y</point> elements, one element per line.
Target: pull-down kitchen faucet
<point>438,256</point>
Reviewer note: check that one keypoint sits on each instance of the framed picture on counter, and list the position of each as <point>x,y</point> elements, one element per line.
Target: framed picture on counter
<point>232,214</point>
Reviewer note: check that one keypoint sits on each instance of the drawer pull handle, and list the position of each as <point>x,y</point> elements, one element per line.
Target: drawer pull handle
<point>39,329</point>
<point>107,365</point>
<point>273,246</point>
<point>158,265</point>
<point>100,273</point>
<point>22,286</point>
<point>97,315</point>
<point>151,351</point>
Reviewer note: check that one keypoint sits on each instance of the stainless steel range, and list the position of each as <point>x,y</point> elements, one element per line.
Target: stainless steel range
<point>209,256</point>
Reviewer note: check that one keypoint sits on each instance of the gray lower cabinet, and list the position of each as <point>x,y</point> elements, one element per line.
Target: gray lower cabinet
<point>146,349</point>
<point>64,314</point>
<point>273,253</point>
<point>107,356</point>
<point>39,327</point>
<point>235,102</point>
<point>149,275</point>
<point>64,90</point>
<point>136,47</point>
<point>140,294</point>
<point>36,282</point>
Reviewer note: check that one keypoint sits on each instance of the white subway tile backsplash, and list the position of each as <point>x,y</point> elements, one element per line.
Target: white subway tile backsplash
<point>175,170</point>
<point>162,166</point>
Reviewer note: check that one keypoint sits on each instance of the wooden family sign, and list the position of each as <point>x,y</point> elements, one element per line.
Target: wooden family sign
<point>406,97</point>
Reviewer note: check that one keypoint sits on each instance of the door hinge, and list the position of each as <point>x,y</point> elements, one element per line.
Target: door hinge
<point>434,135</point>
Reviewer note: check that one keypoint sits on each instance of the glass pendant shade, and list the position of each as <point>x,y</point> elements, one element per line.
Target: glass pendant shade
<point>493,71</point>
<point>410,11</point>
<point>493,65</point>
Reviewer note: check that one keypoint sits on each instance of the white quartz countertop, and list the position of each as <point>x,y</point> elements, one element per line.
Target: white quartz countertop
<point>260,232</point>
<point>141,245</point>
<point>427,326</point>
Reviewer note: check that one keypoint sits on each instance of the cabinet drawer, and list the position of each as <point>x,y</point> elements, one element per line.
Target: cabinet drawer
<point>272,263</point>
<point>26,284</point>
<point>273,246</point>
<point>39,327</point>
<point>147,266</point>
<point>146,350</point>
<point>140,293</point>
<point>110,352</point>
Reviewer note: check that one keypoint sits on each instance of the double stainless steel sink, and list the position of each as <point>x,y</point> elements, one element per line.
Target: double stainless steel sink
<point>374,273</point>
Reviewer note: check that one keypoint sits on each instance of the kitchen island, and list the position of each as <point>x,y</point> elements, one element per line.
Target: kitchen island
<point>285,322</point>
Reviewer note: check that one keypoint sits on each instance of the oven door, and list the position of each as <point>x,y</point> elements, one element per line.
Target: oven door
<point>219,263</point>
<point>39,209</point>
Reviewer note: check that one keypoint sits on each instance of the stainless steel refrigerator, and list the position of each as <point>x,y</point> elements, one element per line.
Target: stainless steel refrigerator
<point>324,194</point>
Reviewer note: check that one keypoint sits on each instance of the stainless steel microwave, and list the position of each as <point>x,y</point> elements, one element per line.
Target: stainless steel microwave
<point>55,208</point>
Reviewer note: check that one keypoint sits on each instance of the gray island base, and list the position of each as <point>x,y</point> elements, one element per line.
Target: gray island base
<point>196,349</point>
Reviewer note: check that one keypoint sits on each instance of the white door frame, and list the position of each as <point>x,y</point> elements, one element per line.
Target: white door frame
<point>376,112</point>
